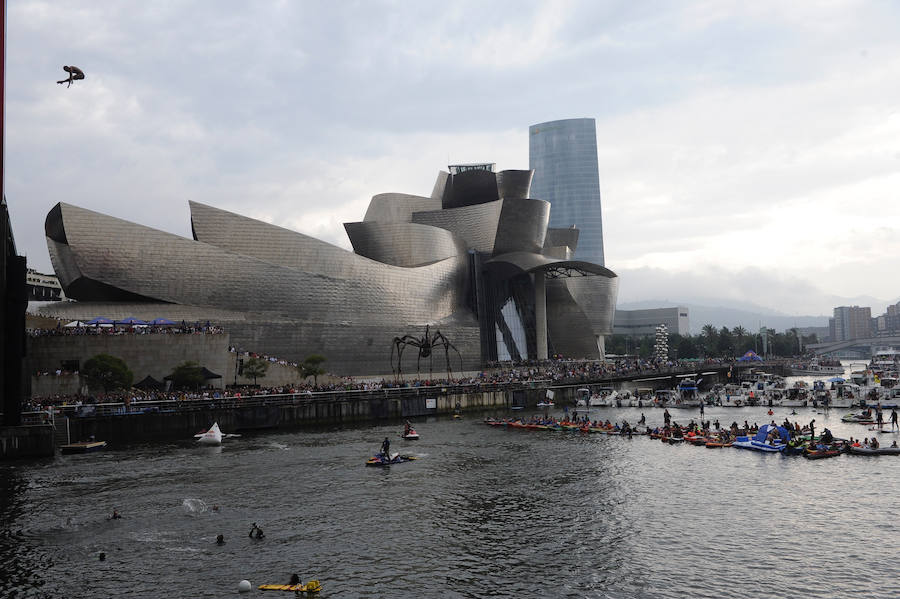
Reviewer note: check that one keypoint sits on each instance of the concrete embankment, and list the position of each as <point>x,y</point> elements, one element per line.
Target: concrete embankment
<point>32,441</point>
<point>181,420</point>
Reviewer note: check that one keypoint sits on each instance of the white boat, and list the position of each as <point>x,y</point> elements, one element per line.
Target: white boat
<point>211,437</point>
<point>816,368</point>
<point>687,394</point>
<point>410,435</point>
<point>604,398</point>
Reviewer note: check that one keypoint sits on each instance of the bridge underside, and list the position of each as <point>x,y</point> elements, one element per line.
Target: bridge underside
<point>860,347</point>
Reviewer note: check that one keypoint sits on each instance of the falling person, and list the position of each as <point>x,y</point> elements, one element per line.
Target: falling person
<point>74,75</point>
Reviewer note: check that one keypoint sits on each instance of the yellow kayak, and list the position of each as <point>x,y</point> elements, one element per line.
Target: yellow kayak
<point>312,586</point>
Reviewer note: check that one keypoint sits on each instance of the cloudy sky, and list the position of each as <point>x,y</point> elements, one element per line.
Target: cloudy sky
<point>748,152</point>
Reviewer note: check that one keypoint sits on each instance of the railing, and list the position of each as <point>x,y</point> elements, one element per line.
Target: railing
<point>268,400</point>
<point>206,403</point>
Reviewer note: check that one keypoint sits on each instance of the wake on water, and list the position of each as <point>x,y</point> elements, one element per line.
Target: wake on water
<point>194,506</point>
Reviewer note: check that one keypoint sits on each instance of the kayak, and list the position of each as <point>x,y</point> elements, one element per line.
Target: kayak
<point>312,586</point>
<point>395,458</point>
<point>717,444</point>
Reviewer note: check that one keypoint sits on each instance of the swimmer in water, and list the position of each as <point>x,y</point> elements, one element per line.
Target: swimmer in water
<point>115,515</point>
<point>220,540</point>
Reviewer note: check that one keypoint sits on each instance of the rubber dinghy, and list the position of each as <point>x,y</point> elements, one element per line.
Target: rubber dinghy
<point>379,459</point>
<point>872,451</point>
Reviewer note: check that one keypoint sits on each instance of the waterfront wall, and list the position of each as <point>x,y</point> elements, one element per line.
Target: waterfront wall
<point>26,441</point>
<point>268,412</point>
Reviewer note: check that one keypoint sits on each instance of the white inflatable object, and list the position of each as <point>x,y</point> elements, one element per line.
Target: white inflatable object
<point>211,437</point>
<point>244,586</point>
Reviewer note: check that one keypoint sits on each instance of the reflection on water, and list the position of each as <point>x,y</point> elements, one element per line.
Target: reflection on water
<point>484,512</point>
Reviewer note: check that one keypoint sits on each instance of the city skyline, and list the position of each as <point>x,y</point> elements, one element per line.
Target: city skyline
<point>746,153</point>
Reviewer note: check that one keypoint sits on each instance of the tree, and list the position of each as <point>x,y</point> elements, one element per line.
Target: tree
<point>725,343</point>
<point>109,372</point>
<point>739,334</point>
<point>187,374</point>
<point>310,367</point>
<point>255,368</point>
<point>710,333</point>
<point>687,348</point>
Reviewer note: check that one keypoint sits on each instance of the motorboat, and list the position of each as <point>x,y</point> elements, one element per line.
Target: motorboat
<point>584,398</point>
<point>816,367</point>
<point>604,398</point>
<point>83,447</point>
<point>687,394</point>
<point>769,439</point>
<point>379,459</point>
<point>410,435</point>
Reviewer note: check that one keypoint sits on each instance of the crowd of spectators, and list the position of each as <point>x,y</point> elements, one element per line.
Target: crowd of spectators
<point>556,371</point>
<point>127,329</point>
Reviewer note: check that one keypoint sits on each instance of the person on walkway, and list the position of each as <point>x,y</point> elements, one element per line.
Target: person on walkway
<point>75,74</point>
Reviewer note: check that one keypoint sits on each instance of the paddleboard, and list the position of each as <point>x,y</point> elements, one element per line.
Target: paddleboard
<point>312,586</point>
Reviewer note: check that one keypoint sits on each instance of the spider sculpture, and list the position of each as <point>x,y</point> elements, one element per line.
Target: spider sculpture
<point>425,345</point>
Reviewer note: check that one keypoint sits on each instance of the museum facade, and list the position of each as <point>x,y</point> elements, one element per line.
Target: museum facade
<point>475,260</point>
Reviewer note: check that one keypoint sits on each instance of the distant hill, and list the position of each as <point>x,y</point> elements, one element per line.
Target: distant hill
<point>748,316</point>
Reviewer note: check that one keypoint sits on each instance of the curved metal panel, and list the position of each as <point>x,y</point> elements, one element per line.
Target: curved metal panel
<point>154,264</point>
<point>562,237</point>
<point>398,207</point>
<point>529,262</point>
<point>475,225</point>
<point>270,243</point>
<point>403,244</point>
<point>514,183</point>
<point>596,296</point>
<point>469,188</point>
<point>522,227</point>
<point>570,331</point>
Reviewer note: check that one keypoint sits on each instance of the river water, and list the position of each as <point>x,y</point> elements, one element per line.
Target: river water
<point>483,512</point>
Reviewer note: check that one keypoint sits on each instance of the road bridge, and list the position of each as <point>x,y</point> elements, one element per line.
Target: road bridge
<point>865,347</point>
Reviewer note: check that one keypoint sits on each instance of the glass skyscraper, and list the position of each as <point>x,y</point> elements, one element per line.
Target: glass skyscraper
<point>563,155</point>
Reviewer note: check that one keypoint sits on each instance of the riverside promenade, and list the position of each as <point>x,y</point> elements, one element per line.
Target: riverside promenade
<point>123,422</point>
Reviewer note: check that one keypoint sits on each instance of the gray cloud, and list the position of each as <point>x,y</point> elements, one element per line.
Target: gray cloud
<point>732,137</point>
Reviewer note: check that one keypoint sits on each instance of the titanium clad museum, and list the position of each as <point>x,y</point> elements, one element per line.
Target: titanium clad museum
<point>475,260</point>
